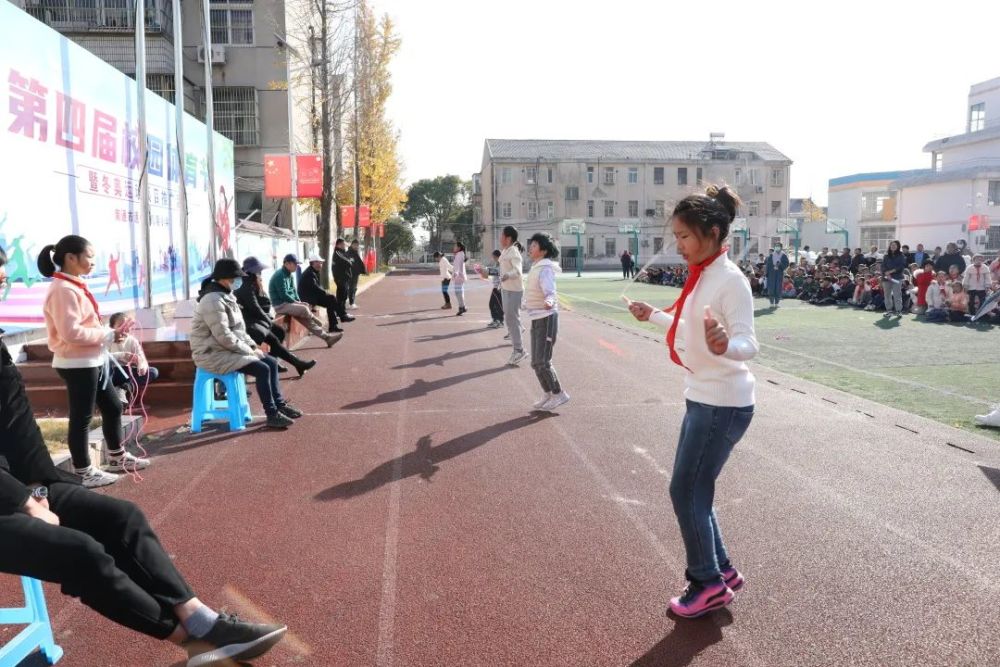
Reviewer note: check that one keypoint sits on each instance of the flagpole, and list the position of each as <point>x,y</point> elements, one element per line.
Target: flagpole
<point>140,87</point>
<point>179,132</point>
<point>210,126</point>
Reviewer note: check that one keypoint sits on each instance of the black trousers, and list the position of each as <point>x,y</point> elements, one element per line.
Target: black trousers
<point>335,307</point>
<point>275,340</point>
<point>103,552</point>
<point>976,298</point>
<point>496,305</point>
<point>86,389</point>
<point>343,292</point>
<point>444,290</point>
<point>354,288</point>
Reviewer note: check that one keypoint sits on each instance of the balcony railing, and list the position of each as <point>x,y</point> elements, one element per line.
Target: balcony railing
<point>103,17</point>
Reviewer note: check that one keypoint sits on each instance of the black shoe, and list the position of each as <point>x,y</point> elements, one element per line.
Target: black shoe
<point>289,411</point>
<point>231,640</point>
<point>305,366</point>
<point>282,368</point>
<point>461,311</point>
<point>335,329</point>
<point>446,306</point>
<point>348,318</point>
<point>278,420</point>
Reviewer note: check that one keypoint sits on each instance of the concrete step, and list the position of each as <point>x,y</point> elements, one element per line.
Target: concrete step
<point>50,398</point>
<point>154,349</point>
<point>172,369</point>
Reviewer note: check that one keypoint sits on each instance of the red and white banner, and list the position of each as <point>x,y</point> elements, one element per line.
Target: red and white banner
<point>347,217</point>
<point>278,176</point>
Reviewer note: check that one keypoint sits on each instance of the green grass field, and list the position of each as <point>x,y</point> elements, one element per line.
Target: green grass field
<point>941,371</point>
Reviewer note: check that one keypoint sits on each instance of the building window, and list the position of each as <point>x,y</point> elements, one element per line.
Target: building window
<point>609,248</point>
<point>549,170</point>
<point>162,85</point>
<point>698,176</point>
<point>753,209</point>
<point>232,23</point>
<point>590,174</point>
<point>994,198</point>
<point>738,177</point>
<point>551,210</point>
<point>609,175</point>
<point>572,193</point>
<point>505,209</point>
<point>236,114</point>
<point>873,204</point>
<point>590,208</point>
<point>657,175</point>
<point>753,176</point>
<point>633,175</point>
<point>531,175</point>
<point>937,160</point>
<point>506,176</point>
<point>657,245</point>
<point>877,235</point>
<point>532,210</point>
<point>661,208</point>
<point>777,178</point>
<point>776,208</point>
<point>609,208</point>
<point>682,176</point>
<point>633,208</point>
<point>590,246</point>
<point>977,117</point>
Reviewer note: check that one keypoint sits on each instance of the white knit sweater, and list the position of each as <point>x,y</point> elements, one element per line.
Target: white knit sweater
<point>720,380</point>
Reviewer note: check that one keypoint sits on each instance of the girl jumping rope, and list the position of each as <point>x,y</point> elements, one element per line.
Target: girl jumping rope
<point>710,334</point>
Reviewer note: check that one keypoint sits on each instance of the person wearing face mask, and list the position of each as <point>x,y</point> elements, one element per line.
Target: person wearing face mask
<point>776,265</point>
<point>221,345</point>
<point>79,342</point>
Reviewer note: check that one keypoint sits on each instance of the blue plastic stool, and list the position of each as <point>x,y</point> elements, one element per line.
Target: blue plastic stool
<point>38,634</point>
<point>235,409</point>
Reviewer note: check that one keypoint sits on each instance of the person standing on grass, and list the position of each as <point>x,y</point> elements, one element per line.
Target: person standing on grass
<point>776,265</point>
<point>512,291</point>
<point>358,270</point>
<point>976,282</point>
<point>459,277</point>
<point>710,333</point>
<point>445,273</point>
<point>542,303</point>
<point>626,259</point>
<point>80,354</point>
<point>892,279</point>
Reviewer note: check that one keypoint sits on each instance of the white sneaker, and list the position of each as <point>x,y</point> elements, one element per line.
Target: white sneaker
<point>516,358</point>
<point>352,306</point>
<point>992,419</point>
<point>127,462</point>
<point>95,477</point>
<point>555,402</point>
<point>546,397</point>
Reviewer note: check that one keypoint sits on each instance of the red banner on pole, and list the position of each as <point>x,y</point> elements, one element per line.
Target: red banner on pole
<point>347,217</point>
<point>277,176</point>
<point>309,170</point>
<point>978,222</point>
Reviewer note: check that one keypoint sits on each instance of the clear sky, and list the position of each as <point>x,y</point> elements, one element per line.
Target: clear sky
<point>839,87</point>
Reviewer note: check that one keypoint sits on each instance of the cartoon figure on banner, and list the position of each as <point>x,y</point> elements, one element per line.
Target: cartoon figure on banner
<point>113,261</point>
<point>222,224</point>
<point>19,268</point>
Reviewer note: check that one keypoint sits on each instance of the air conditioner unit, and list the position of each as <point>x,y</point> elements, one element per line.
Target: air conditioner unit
<point>650,212</point>
<point>218,55</point>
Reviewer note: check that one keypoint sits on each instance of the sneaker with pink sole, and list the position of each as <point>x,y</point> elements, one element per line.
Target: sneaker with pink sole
<point>732,578</point>
<point>699,599</point>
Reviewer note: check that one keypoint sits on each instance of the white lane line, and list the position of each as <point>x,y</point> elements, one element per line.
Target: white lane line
<point>491,410</point>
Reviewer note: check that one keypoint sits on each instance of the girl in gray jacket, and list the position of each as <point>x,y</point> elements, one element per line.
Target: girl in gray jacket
<point>220,343</point>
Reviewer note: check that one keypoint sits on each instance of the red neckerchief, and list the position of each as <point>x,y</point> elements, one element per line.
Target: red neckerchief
<point>81,285</point>
<point>694,273</point>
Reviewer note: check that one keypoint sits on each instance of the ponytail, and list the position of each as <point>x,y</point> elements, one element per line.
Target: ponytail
<point>52,257</point>
<point>46,266</point>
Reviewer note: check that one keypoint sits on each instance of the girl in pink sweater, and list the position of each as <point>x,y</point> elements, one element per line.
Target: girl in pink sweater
<point>79,344</point>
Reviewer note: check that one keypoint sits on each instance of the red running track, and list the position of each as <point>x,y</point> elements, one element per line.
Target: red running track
<point>420,514</point>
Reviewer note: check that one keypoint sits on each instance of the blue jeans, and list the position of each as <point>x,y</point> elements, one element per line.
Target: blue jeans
<point>265,372</point>
<point>708,435</point>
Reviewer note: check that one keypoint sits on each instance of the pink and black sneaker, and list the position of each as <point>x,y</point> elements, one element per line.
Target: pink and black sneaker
<point>732,578</point>
<point>699,599</point>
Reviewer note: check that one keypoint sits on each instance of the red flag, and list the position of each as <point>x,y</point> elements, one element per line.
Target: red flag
<point>347,217</point>
<point>277,176</point>
<point>309,170</point>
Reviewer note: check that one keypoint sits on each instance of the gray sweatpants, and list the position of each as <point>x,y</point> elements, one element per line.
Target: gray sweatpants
<point>543,341</point>
<point>459,294</point>
<point>512,317</point>
<point>893,292</point>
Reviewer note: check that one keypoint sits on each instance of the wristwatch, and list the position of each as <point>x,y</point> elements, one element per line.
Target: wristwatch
<point>40,492</point>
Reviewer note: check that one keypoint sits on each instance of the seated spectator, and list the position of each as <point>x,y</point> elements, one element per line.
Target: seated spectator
<point>824,297</point>
<point>843,290</point>
<point>285,300</point>
<point>958,303</point>
<point>923,278</point>
<point>861,296</point>
<point>256,309</point>
<point>788,288</point>
<point>810,288</point>
<point>134,372</point>
<point>312,292</point>
<point>220,343</point>
<point>857,261</point>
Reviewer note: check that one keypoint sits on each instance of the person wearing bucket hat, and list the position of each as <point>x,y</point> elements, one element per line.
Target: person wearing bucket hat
<point>312,292</point>
<point>256,308</point>
<point>285,300</point>
<point>220,343</point>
